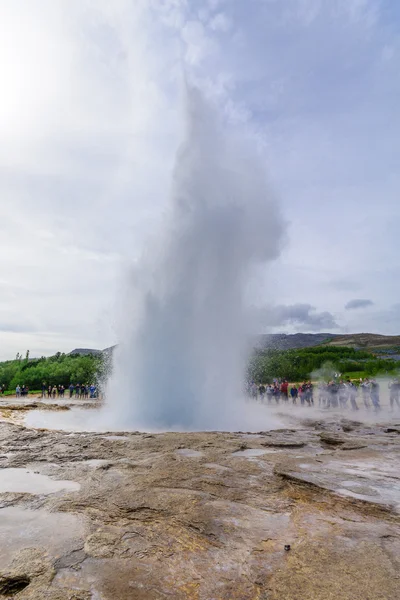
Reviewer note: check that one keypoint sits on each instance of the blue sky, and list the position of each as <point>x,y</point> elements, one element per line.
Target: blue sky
<point>90,116</point>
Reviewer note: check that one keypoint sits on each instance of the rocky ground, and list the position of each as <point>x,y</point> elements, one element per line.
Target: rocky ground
<point>294,514</point>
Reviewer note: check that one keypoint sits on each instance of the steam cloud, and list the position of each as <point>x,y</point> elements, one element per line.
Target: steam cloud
<point>182,356</point>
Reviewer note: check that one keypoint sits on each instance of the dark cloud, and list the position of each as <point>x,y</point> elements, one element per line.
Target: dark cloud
<point>358,303</point>
<point>296,314</point>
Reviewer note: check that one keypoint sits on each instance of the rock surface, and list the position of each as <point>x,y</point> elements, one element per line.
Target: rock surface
<point>204,516</point>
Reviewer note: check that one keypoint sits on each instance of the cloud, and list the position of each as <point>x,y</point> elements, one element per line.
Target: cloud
<point>220,22</point>
<point>303,315</point>
<point>358,303</point>
<point>21,327</point>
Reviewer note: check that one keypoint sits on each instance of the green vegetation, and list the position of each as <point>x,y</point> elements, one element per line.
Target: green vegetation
<point>265,365</point>
<point>60,369</point>
<point>301,364</point>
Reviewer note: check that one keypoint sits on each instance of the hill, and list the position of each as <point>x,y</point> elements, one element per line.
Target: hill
<point>85,352</point>
<point>370,341</point>
<point>92,351</point>
<point>365,341</point>
<point>296,341</point>
<point>283,341</point>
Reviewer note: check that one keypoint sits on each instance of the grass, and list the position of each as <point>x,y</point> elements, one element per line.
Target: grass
<point>12,393</point>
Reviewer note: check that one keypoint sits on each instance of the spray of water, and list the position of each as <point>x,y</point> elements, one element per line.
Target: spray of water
<point>182,355</point>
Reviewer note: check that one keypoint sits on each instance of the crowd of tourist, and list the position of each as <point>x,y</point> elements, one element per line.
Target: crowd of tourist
<point>58,391</point>
<point>78,390</point>
<point>333,394</point>
<point>21,391</point>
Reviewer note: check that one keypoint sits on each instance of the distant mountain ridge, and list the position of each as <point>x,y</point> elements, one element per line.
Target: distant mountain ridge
<point>93,351</point>
<point>283,341</point>
<point>364,341</point>
<point>85,351</point>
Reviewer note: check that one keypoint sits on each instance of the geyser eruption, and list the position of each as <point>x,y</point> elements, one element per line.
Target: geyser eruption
<point>182,357</point>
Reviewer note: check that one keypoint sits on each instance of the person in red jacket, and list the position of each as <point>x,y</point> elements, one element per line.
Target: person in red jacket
<point>284,389</point>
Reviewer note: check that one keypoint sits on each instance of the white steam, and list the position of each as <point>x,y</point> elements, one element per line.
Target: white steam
<point>182,354</point>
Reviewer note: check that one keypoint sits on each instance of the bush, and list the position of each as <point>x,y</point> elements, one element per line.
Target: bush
<point>60,369</point>
<point>301,364</point>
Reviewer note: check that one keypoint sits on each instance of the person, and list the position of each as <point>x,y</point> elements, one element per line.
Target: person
<point>304,393</point>
<point>310,386</point>
<point>49,389</point>
<point>18,391</point>
<point>44,389</point>
<point>77,390</point>
<point>261,391</point>
<point>352,393</point>
<point>394,387</point>
<point>93,391</point>
<point>375,395</point>
<point>284,390</point>
<point>301,394</point>
<point>270,393</point>
<point>71,390</point>
<point>365,392</point>
<point>54,391</point>
<point>294,393</point>
<point>333,390</point>
<point>322,393</point>
<point>343,396</point>
<point>276,393</point>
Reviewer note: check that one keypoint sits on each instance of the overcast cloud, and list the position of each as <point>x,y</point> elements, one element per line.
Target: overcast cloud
<point>358,303</point>
<point>90,121</point>
<point>302,317</point>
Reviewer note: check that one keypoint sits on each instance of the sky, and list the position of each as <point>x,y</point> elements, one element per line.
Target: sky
<point>91,118</point>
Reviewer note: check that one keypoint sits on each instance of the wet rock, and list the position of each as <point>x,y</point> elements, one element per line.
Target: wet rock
<point>73,559</point>
<point>331,439</point>
<point>283,444</point>
<point>11,585</point>
<point>150,523</point>
<point>354,445</point>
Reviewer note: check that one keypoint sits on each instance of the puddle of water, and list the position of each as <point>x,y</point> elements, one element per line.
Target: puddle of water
<point>367,494</point>
<point>189,453</point>
<point>351,483</point>
<point>251,452</point>
<point>371,481</point>
<point>218,467</point>
<point>96,462</point>
<point>109,578</point>
<point>27,482</point>
<point>58,533</point>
